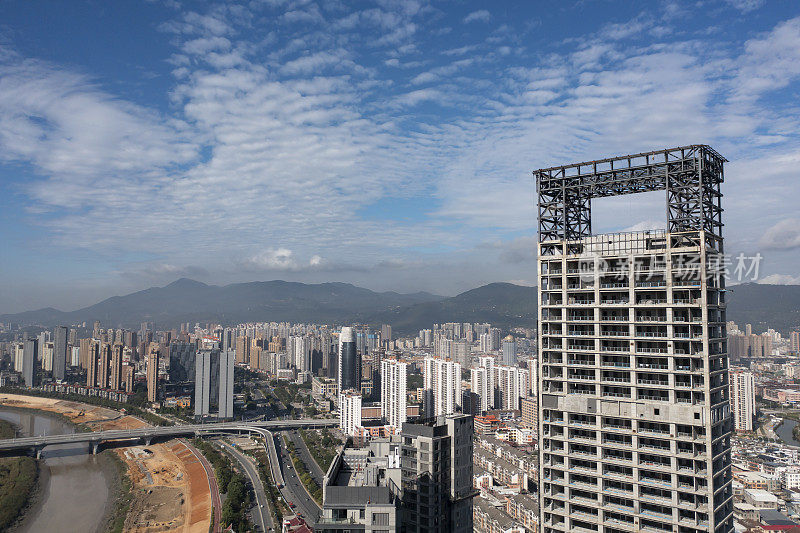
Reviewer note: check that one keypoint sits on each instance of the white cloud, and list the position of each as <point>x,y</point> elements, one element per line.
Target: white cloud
<point>478,16</point>
<point>278,259</point>
<point>745,6</point>
<point>784,235</point>
<point>286,137</point>
<point>66,126</point>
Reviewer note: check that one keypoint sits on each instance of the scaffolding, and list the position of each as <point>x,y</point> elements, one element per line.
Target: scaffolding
<point>690,175</point>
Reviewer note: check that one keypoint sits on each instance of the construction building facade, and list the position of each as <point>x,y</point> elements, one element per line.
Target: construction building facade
<point>634,411</point>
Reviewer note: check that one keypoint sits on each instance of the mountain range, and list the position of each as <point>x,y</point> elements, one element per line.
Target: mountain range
<point>502,304</point>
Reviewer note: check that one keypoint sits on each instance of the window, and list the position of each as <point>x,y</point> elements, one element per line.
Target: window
<point>380,519</point>
<point>656,412</point>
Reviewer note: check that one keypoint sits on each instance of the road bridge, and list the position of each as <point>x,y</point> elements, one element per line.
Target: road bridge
<point>148,434</point>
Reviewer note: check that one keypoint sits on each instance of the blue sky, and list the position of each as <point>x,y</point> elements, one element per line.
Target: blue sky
<point>389,144</point>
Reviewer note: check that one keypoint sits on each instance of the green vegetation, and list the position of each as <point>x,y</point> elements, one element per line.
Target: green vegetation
<point>7,430</point>
<point>184,413</point>
<point>302,472</point>
<point>322,445</point>
<point>413,382</point>
<point>124,496</point>
<point>231,483</point>
<point>92,400</point>
<point>18,477</point>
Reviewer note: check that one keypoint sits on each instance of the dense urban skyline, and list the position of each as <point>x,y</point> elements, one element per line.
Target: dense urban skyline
<point>390,145</point>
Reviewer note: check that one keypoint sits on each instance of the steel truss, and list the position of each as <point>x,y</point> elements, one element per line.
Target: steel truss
<point>690,175</point>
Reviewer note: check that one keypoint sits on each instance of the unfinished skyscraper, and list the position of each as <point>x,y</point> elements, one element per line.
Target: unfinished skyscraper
<point>634,414</point>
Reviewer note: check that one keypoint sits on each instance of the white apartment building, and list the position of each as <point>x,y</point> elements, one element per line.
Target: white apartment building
<point>393,392</point>
<point>512,383</point>
<point>443,379</point>
<point>349,412</point>
<point>479,384</point>
<point>743,399</point>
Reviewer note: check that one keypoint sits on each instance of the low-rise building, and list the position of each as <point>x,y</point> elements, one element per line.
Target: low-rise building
<point>760,499</point>
<point>361,489</point>
<point>488,519</point>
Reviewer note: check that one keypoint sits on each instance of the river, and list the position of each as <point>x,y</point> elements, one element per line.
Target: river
<point>784,432</point>
<point>76,491</point>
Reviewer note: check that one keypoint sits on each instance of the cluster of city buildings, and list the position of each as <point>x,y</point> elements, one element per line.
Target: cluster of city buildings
<point>631,407</point>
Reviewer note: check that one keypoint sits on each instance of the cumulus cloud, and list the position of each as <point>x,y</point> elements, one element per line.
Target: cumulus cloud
<point>60,121</point>
<point>785,235</point>
<point>478,16</point>
<point>284,137</point>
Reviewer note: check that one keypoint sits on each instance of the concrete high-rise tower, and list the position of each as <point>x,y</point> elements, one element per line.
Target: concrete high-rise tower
<point>92,357</point>
<point>30,365</point>
<point>634,413</point>
<point>115,367</point>
<point>60,352</point>
<point>436,477</point>
<point>152,374</point>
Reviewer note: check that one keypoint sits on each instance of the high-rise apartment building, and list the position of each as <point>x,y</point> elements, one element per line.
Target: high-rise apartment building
<point>115,368</point>
<point>512,385</point>
<point>349,372</point>
<point>349,411</point>
<point>92,357</point>
<point>128,373</point>
<point>19,355</point>
<point>226,365</point>
<point>443,379</point>
<point>743,399</point>
<point>103,365</point>
<point>634,413</point>
<point>60,352</point>
<point>386,334</point>
<point>393,392</point>
<point>509,351</point>
<point>479,384</point>
<point>206,381</point>
<point>152,374</point>
<point>436,475</point>
<point>794,341</point>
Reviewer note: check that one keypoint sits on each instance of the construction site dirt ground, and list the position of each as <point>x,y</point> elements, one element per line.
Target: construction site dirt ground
<point>92,416</point>
<point>170,489</point>
<point>169,485</point>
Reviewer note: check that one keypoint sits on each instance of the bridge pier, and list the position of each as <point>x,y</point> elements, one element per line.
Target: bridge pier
<point>37,451</point>
<point>95,447</point>
<point>147,440</point>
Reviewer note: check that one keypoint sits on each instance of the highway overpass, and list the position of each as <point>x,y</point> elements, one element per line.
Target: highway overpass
<point>146,435</point>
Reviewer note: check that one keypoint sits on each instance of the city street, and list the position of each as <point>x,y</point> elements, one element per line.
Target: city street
<point>294,491</point>
<point>261,515</point>
<point>305,455</point>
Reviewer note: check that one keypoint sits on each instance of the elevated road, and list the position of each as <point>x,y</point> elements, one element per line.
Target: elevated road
<point>147,434</point>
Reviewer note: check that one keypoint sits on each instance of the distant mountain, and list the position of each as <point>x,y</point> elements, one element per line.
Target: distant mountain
<point>508,305</point>
<point>503,304</point>
<point>765,306</point>
<point>186,300</point>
